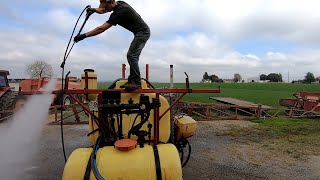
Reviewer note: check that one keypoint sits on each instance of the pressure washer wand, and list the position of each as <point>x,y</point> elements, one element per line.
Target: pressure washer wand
<point>66,54</point>
<point>85,20</point>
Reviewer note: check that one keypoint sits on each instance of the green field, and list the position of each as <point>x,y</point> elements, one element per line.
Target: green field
<point>264,93</point>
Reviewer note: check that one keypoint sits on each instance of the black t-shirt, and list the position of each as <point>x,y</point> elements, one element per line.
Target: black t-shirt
<point>124,15</point>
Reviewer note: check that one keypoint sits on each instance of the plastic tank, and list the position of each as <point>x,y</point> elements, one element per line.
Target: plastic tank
<point>136,164</point>
<point>89,83</point>
<point>186,126</point>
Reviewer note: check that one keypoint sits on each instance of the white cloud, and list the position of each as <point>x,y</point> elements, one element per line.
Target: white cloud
<point>194,36</point>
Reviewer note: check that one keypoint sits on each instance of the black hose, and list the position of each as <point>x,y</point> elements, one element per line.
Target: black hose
<point>66,55</point>
<point>189,154</point>
<point>180,146</point>
<point>134,122</point>
<point>93,160</point>
<point>138,126</point>
<point>61,117</point>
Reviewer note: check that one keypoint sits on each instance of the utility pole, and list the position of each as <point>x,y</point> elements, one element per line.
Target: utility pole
<point>288,76</point>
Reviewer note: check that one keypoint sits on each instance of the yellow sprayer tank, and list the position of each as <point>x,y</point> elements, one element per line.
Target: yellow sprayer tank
<point>136,164</point>
<point>164,124</point>
<point>90,82</point>
<point>186,126</point>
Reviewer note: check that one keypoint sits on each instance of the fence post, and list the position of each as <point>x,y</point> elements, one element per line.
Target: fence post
<point>259,111</point>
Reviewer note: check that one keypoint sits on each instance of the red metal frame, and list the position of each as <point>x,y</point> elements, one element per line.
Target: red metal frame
<point>303,94</point>
<point>157,115</point>
<point>98,91</point>
<point>123,71</point>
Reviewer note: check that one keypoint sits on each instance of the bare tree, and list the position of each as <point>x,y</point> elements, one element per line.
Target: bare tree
<point>39,69</point>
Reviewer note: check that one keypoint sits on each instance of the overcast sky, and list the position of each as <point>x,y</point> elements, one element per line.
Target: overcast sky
<point>249,37</point>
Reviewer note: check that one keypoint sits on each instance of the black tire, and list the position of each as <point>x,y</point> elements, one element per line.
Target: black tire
<point>7,103</point>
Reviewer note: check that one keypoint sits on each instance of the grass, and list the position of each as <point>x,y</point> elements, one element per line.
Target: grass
<point>297,138</point>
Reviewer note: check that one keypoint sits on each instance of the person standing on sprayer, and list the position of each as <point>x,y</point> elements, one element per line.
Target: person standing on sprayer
<point>124,15</point>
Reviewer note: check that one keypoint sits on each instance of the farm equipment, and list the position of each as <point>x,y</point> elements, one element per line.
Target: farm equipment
<point>133,133</point>
<point>8,97</point>
<point>28,86</point>
<point>305,104</point>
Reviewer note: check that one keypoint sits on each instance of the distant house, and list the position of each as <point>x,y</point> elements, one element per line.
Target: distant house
<point>206,81</point>
<point>228,80</point>
<point>253,79</point>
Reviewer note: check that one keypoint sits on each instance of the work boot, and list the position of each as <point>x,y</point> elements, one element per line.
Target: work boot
<point>124,85</point>
<point>132,86</point>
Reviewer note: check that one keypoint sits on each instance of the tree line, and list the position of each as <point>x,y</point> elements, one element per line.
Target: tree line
<point>214,78</point>
<point>272,77</point>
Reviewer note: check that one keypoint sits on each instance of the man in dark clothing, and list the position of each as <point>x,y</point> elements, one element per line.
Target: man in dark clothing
<point>124,15</point>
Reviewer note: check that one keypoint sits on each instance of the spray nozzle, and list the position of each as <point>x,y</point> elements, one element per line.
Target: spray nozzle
<point>90,11</point>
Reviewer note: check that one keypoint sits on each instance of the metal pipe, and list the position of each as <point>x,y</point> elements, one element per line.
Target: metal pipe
<point>156,124</point>
<point>86,84</point>
<point>171,76</point>
<point>98,91</point>
<point>123,71</point>
<point>147,72</point>
<point>170,102</point>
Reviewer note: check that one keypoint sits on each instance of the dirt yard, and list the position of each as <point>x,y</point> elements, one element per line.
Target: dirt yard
<point>217,156</point>
<point>214,155</point>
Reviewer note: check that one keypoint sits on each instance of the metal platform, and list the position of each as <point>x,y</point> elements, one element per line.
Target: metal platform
<point>238,102</point>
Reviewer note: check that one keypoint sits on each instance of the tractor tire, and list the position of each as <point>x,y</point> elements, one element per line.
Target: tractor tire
<point>7,103</point>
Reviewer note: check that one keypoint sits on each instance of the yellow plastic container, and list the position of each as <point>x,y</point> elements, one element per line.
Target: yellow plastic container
<point>91,82</point>
<point>186,126</point>
<point>137,164</point>
<point>164,124</point>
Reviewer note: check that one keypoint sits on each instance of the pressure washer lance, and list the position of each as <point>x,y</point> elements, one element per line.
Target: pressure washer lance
<point>66,55</point>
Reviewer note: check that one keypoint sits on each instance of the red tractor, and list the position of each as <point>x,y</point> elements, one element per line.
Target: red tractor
<point>8,97</point>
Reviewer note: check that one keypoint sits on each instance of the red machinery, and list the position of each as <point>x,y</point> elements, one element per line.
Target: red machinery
<point>305,104</point>
<point>8,97</point>
<point>29,86</point>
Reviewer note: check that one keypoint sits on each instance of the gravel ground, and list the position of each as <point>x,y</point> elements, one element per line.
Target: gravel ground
<point>213,157</point>
<point>220,157</point>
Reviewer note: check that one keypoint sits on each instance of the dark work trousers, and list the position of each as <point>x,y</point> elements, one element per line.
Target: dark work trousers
<point>137,44</point>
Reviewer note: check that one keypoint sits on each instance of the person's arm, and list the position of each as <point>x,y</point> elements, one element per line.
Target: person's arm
<point>98,30</point>
<point>102,8</point>
<point>94,32</point>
